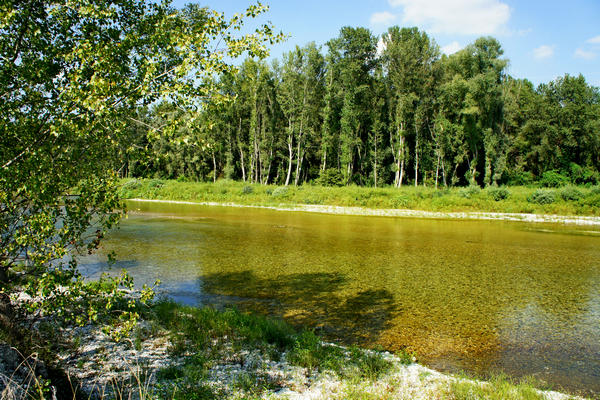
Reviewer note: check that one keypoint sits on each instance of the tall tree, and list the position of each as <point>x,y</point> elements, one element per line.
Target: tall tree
<point>357,49</point>
<point>409,57</point>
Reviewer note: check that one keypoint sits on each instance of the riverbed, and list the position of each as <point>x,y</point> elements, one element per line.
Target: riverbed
<point>480,296</point>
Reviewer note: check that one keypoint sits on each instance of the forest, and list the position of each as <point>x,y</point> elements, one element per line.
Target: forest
<point>374,111</point>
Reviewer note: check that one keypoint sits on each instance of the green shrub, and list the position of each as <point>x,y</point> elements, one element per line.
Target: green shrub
<point>155,184</point>
<point>595,190</point>
<point>469,191</point>
<point>570,193</point>
<point>132,185</point>
<point>440,193</point>
<point>281,191</point>
<point>522,178</point>
<point>592,201</point>
<point>542,197</point>
<point>247,190</point>
<point>401,202</point>
<point>554,179</point>
<point>498,193</point>
<point>330,177</point>
<point>583,175</point>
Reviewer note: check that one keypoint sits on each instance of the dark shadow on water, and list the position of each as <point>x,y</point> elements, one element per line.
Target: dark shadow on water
<point>316,300</point>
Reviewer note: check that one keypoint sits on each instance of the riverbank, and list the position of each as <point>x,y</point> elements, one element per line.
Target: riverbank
<point>521,217</point>
<point>575,205</point>
<point>182,352</point>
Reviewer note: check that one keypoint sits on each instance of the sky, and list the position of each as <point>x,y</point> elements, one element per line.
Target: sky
<point>542,39</point>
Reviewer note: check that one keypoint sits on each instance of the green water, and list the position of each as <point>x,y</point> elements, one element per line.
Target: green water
<point>465,295</point>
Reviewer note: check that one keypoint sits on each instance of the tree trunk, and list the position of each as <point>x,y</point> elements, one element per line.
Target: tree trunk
<point>437,170</point>
<point>401,173</point>
<point>214,167</point>
<point>444,173</point>
<point>298,160</point>
<point>375,164</point>
<point>241,151</point>
<point>298,169</point>
<point>417,161</point>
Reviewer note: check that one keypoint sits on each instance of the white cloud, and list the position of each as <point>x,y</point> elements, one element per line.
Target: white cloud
<point>594,40</point>
<point>586,55</point>
<point>543,52</point>
<point>382,18</point>
<point>451,48</point>
<point>469,17</point>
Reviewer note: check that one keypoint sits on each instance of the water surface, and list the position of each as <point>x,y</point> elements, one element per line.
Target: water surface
<point>466,295</point>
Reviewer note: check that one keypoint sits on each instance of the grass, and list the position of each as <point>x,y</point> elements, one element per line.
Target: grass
<point>202,336</point>
<point>499,387</point>
<point>204,339</point>
<point>519,199</point>
<point>353,363</point>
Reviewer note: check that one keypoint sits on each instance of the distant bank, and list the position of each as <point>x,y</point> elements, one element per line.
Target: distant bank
<point>570,205</point>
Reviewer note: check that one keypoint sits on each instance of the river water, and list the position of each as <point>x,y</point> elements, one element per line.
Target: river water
<point>476,296</point>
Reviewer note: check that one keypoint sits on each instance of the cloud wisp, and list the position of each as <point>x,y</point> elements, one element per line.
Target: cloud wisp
<point>594,40</point>
<point>384,18</point>
<point>584,54</point>
<point>451,48</point>
<point>543,52</point>
<point>468,17</point>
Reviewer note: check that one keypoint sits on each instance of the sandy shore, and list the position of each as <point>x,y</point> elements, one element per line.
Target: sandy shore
<point>323,209</point>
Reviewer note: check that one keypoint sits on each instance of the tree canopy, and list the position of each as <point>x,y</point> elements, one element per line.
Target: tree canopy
<point>390,111</point>
<point>74,74</point>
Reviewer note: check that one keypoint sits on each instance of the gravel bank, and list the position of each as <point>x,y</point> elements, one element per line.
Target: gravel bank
<point>518,217</point>
<point>102,365</point>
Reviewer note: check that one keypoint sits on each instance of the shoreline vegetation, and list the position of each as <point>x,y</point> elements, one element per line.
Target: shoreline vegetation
<point>567,205</point>
<point>179,352</point>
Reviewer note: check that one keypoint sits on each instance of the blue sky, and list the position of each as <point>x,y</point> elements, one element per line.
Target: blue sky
<point>542,39</point>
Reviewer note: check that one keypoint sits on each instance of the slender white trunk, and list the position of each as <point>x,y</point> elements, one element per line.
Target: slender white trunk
<point>375,165</point>
<point>242,164</point>
<point>417,161</point>
<point>241,151</point>
<point>444,173</point>
<point>291,158</point>
<point>298,160</point>
<point>437,170</point>
<point>214,160</point>
<point>401,173</point>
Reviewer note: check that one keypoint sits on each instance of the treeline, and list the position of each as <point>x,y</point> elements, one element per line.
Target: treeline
<point>376,111</point>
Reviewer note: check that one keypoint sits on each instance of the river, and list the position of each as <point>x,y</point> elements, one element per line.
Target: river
<point>478,296</point>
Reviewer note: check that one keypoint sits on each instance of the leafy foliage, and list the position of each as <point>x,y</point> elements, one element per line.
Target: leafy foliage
<point>330,177</point>
<point>554,179</point>
<point>542,197</point>
<point>74,73</point>
<point>405,114</point>
<point>499,193</point>
<point>570,193</point>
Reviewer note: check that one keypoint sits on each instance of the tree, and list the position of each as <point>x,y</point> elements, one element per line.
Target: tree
<point>72,74</point>
<point>301,97</point>
<point>409,57</point>
<point>357,49</point>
